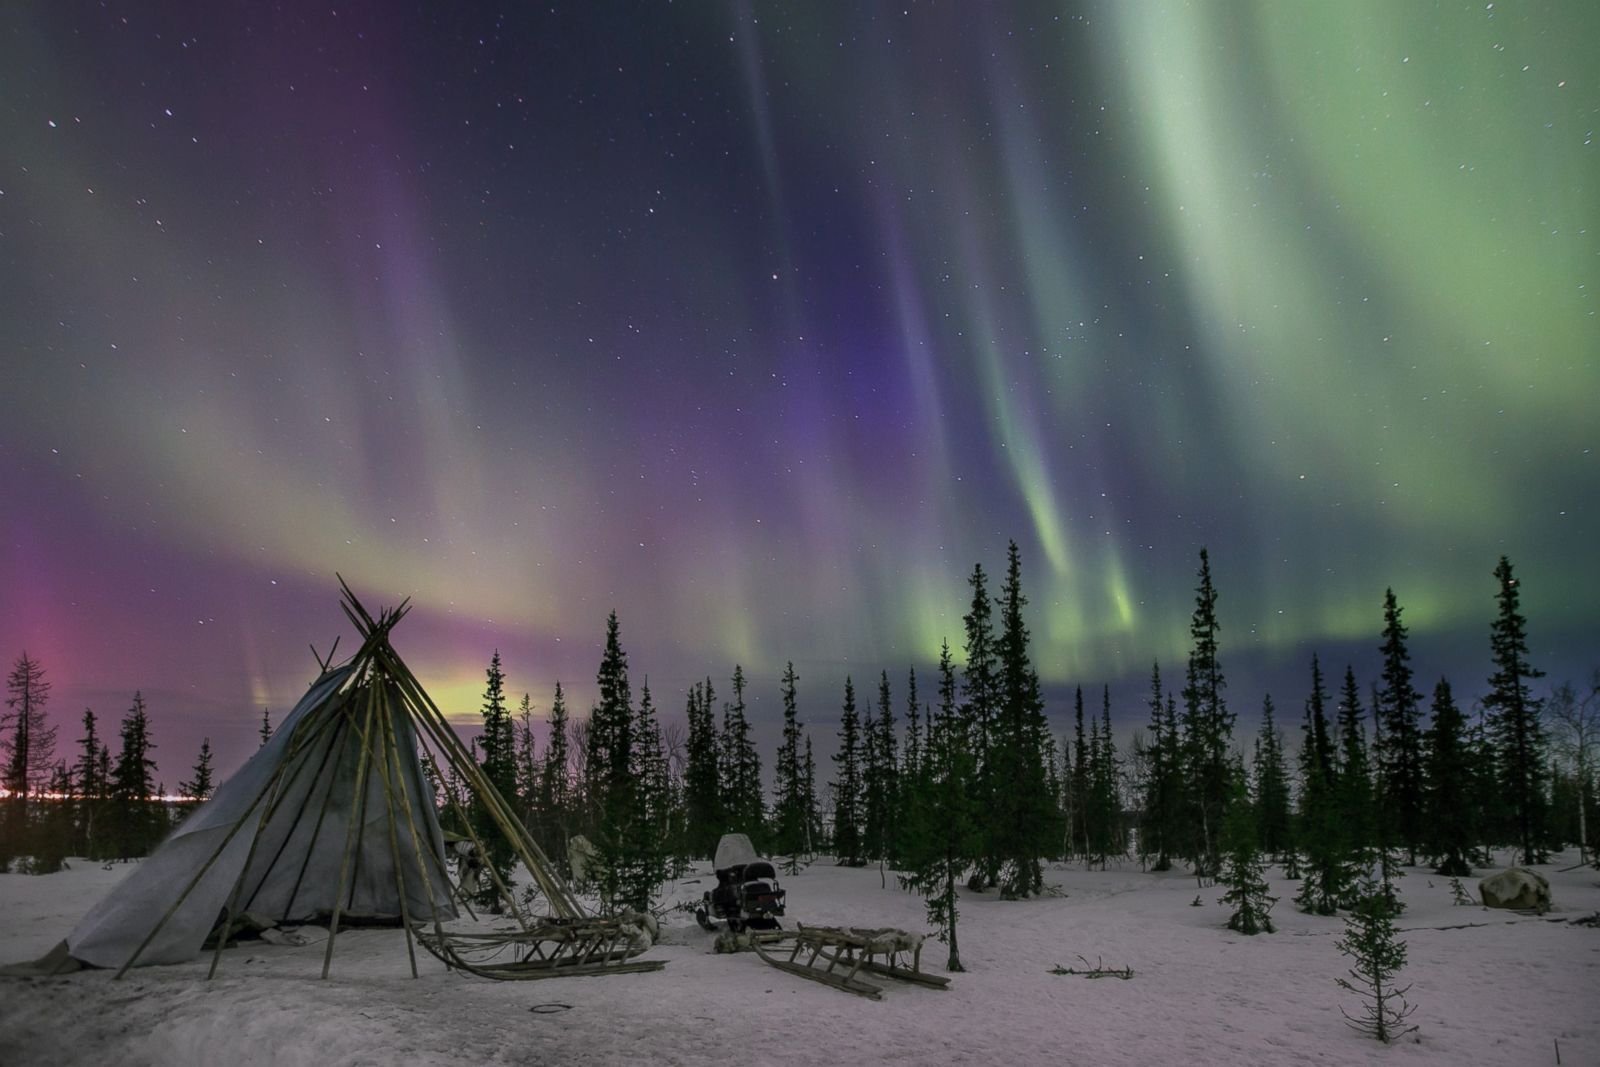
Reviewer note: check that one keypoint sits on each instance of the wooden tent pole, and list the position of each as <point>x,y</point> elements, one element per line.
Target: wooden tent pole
<point>516,834</point>
<point>380,737</point>
<point>344,864</point>
<point>364,624</point>
<point>425,753</point>
<point>487,794</point>
<point>424,711</point>
<point>401,769</point>
<point>466,822</point>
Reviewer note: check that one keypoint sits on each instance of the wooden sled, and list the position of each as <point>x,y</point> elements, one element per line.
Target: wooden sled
<point>838,957</point>
<point>548,948</point>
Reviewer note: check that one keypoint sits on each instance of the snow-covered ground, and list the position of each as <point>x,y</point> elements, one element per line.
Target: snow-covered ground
<point>1490,988</point>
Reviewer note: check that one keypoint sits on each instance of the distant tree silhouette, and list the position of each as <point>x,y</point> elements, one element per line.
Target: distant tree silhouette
<point>1514,719</point>
<point>847,842</point>
<point>1274,818</point>
<point>1449,806</point>
<point>137,822</point>
<point>1207,727</point>
<point>1397,711</point>
<point>789,807</point>
<point>28,743</point>
<point>199,788</point>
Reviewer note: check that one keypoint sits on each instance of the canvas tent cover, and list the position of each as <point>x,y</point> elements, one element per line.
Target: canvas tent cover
<point>303,780</point>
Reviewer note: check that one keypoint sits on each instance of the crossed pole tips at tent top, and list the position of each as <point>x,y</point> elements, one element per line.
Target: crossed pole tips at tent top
<point>373,701</point>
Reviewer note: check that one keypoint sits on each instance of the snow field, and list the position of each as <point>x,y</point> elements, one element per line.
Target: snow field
<point>1497,992</point>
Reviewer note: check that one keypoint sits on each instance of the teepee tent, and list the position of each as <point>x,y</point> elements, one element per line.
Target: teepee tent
<point>332,820</point>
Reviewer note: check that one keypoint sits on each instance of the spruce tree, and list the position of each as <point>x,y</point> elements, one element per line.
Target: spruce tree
<point>28,745</point>
<point>1021,809</point>
<point>847,843</point>
<point>1208,726</point>
<point>815,834</point>
<point>911,765</point>
<point>1274,820</point>
<point>526,760</point>
<point>1399,757</point>
<point>53,834</point>
<point>136,822</point>
<point>889,750</point>
<point>1488,816</point>
<point>1448,800</point>
<point>104,777</point>
<point>789,807</point>
<point>498,760</point>
<point>644,858</point>
<point>1242,867</point>
<point>265,733</point>
<point>199,788</point>
<point>873,799</point>
<point>946,841</point>
<point>1514,719</point>
<point>1103,793</point>
<point>1322,838</point>
<point>91,788</point>
<point>1112,792</point>
<point>1163,782</point>
<point>555,792</point>
<point>1078,782</point>
<point>702,777</point>
<point>610,765</point>
<point>911,817</point>
<point>742,792</point>
<point>981,691</point>
<point>1354,789</point>
<point>880,779</point>
<point>1369,940</point>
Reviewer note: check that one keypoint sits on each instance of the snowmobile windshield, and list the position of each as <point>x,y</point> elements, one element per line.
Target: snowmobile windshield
<point>734,850</point>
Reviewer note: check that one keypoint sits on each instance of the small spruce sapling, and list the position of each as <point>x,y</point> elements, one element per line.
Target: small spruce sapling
<point>1370,942</point>
<point>1242,869</point>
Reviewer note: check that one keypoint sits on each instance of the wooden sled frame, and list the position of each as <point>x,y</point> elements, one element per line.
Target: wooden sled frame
<point>836,956</point>
<point>552,947</point>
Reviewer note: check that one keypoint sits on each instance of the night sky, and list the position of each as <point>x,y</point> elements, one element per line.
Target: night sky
<point>762,323</point>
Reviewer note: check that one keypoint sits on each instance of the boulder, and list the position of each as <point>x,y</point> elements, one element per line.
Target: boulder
<point>1516,888</point>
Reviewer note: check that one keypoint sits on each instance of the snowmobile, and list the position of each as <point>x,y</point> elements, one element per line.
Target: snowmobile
<point>747,896</point>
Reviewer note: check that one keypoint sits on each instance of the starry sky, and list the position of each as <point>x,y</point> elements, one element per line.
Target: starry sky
<point>761,323</point>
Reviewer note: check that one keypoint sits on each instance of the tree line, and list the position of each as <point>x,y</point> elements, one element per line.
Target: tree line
<point>968,788</point>
<point>965,787</point>
<point>91,804</point>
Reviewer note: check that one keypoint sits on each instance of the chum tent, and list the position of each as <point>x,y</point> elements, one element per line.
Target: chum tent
<point>333,820</point>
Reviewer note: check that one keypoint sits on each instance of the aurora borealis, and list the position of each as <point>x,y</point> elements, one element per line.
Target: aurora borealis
<point>762,323</point>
